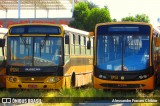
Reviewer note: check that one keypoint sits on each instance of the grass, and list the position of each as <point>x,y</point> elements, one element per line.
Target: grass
<point>78,94</point>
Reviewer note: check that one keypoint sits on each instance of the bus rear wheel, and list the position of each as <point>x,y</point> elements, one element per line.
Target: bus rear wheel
<point>73,80</point>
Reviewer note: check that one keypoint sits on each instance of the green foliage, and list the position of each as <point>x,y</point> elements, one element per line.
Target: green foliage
<point>87,15</point>
<point>80,15</point>
<point>65,97</point>
<point>97,16</point>
<point>137,18</point>
<point>142,18</point>
<point>114,20</point>
<point>129,18</point>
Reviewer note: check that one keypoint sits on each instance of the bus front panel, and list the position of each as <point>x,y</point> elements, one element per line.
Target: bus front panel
<point>123,56</point>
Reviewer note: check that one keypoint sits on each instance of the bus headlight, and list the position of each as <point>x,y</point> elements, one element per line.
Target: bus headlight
<point>141,77</point>
<point>144,76</point>
<point>13,79</point>
<point>52,79</point>
<point>10,79</point>
<point>104,77</point>
<point>100,76</point>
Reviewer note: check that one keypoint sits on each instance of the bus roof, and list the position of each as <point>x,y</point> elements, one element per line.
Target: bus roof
<point>65,27</point>
<point>70,29</point>
<point>123,22</point>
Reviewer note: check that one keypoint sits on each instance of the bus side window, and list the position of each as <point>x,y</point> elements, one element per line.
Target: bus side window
<point>67,48</point>
<point>77,45</point>
<point>67,39</point>
<point>72,44</point>
<point>92,46</point>
<point>88,51</point>
<point>83,51</point>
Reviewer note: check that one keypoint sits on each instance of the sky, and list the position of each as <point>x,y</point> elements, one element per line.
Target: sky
<point>118,9</point>
<point>122,8</point>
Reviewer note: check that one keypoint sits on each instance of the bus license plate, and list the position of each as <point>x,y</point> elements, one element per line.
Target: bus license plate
<point>32,86</point>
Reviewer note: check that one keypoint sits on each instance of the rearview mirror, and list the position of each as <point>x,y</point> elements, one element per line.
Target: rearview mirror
<point>91,34</point>
<point>2,42</point>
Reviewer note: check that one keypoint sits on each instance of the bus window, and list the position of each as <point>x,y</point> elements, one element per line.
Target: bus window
<point>82,45</point>
<point>66,47</point>
<point>77,45</point>
<point>88,51</point>
<point>91,46</point>
<point>73,44</point>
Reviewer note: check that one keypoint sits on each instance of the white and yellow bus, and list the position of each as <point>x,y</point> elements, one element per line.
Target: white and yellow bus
<point>47,56</point>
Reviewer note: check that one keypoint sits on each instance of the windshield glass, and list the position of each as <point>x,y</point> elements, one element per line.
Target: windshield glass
<point>123,52</point>
<point>34,51</point>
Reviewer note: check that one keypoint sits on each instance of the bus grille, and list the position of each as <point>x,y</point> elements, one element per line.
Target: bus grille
<point>32,79</point>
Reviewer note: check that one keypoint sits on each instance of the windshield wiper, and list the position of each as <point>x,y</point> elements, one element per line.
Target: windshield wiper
<point>43,43</point>
<point>24,41</point>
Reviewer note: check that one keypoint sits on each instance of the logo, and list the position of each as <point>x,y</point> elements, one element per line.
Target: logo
<point>114,77</point>
<point>6,100</point>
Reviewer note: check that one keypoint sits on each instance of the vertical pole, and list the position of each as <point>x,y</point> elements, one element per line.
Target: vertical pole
<point>6,12</point>
<point>19,7</point>
<point>35,10</point>
<point>72,7</point>
<point>47,12</point>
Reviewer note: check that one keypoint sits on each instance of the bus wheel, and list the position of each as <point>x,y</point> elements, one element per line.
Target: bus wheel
<point>73,80</point>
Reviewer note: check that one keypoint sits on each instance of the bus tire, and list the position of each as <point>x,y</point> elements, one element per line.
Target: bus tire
<point>73,80</point>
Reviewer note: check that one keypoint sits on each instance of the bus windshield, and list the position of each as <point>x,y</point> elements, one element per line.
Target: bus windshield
<point>123,52</point>
<point>34,51</point>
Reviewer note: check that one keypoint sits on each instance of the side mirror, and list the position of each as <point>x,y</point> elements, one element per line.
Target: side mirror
<point>91,34</point>
<point>89,44</point>
<point>67,40</point>
<point>2,42</point>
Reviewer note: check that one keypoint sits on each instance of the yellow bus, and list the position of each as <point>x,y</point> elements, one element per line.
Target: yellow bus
<point>126,56</point>
<point>47,56</point>
<point>3,32</point>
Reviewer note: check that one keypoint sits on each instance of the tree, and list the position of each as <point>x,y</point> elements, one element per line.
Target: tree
<point>87,15</point>
<point>114,20</point>
<point>137,18</point>
<point>91,5</point>
<point>142,18</point>
<point>81,12</point>
<point>129,18</point>
<point>97,16</point>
